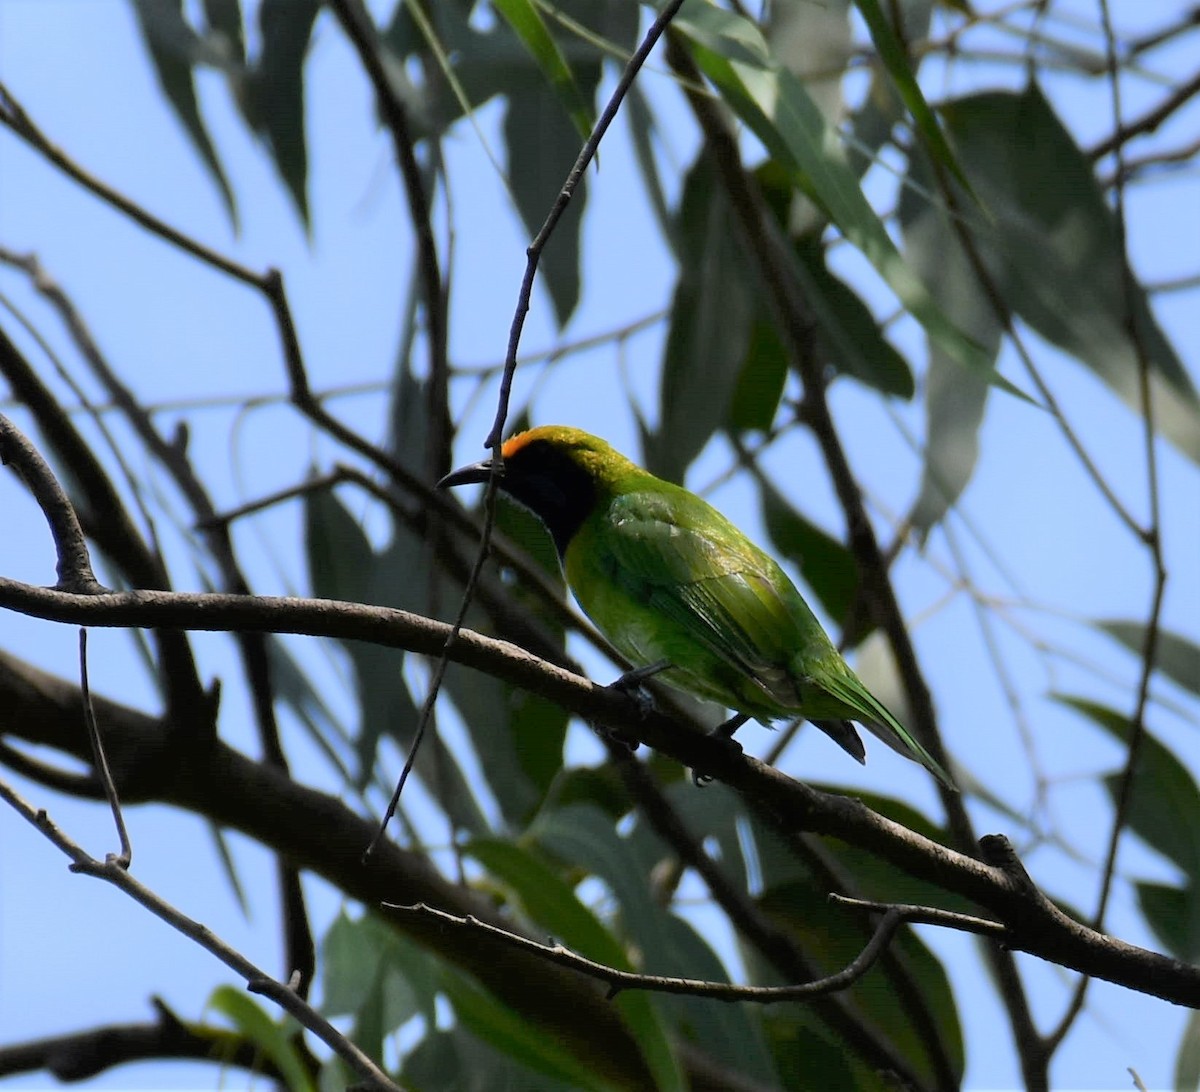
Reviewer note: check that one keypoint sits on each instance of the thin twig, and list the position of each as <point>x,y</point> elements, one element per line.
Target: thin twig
<point>74,564</point>
<point>533,257</point>
<point>618,980</point>
<point>1152,539</point>
<point>361,32</point>
<point>125,858</point>
<point>256,981</point>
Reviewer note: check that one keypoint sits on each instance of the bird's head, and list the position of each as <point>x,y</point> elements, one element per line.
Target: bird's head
<point>557,472</point>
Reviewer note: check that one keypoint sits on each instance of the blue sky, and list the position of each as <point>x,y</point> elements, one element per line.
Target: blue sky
<point>178,331</point>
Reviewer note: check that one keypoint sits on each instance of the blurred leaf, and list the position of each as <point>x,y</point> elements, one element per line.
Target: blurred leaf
<point>527,23</point>
<point>1164,810</point>
<point>1187,1062</point>
<point>899,66</point>
<point>1174,915</point>
<point>224,19</point>
<point>229,867</point>
<point>849,335</point>
<point>292,688</point>
<point>276,1041</point>
<point>174,49</point>
<point>874,878</point>
<point>712,312</point>
<point>871,125</point>
<point>643,131</point>
<point>761,381</point>
<point>829,937</point>
<point>584,837</point>
<point>828,567</point>
<point>774,104</point>
<point>1050,243</point>
<point>1176,656</point>
<point>343,565</point>
<point>955,398</point>
<point>808,1055</point>
<point>717,815</point>
<point>377,977</point>
<point>542,147</point>
<point>553,905</point>
<point>598,786</point>
<point>275,91</point>
<point>501,1028</point>
<point>457,1059</point>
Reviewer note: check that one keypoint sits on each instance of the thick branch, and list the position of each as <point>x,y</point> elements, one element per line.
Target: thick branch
<point>232,790</point>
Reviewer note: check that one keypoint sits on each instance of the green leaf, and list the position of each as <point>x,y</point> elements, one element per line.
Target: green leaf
<point>528,25</point>
<point>955,398</point>
<point>174,49</point>
<point>277,1041</point>
<point>457,1059</point>
<point>872,123</point>
<point>830,937</point>
<point>381,979</point>
<point>275,91</point>
<point>1174,915</point>
<point>643,131</point>
<point>775,105</point>
<point>583,837</point>
<point>554,906</point>
<point>542,147</point>
<point>229,867</point>
<point>1050,242</point>
<point>828,566</point>
<point>761,381</point>
<point>224,19</point>
<point>1164,810</point>
<point>501,1028</point>
<point>899,66</point>
<point>848,333</point>
<point>712,314</point>
<point>1187,1061</point>
<point>343,565</point>
<point>1176,656</point>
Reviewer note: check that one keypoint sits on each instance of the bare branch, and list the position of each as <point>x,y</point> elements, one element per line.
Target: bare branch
<point>74,562</point>
<point>112,871</point>
<point>618,980</point>
<point>125,858</point>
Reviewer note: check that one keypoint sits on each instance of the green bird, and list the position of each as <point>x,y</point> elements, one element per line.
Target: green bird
<point>676,587</point>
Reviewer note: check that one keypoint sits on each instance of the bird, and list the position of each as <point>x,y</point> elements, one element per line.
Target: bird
<point>681,592</point>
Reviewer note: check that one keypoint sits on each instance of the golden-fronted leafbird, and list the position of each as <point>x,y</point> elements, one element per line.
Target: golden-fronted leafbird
<point>669,580</point>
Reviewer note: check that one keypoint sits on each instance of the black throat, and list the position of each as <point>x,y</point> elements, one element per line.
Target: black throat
<point>556,489</point>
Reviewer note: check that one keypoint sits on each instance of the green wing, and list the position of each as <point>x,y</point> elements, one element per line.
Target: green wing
<point>675,552</point>
<point>870,712</point>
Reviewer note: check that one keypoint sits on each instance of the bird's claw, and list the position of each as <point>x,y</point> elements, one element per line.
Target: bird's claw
<point>630,684</point>
<point>727,741</point>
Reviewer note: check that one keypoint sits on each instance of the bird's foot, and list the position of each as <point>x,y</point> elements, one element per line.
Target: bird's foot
<point>724,733</point>
<point>631,684</point>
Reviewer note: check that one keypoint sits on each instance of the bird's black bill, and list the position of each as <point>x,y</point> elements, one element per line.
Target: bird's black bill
<point>467,475</point>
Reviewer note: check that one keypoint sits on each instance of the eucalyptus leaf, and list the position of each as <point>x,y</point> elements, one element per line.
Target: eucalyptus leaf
<point>174,49</point>
<point>1176,656</point>
<point>276,1040</point>
<point>1050,243</point>
<point>275,91</point>
<point>529,26</point>
<point>1164,810</point>
<point>955,398</point>
<point>775,105</point>
<point>712,315</point>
